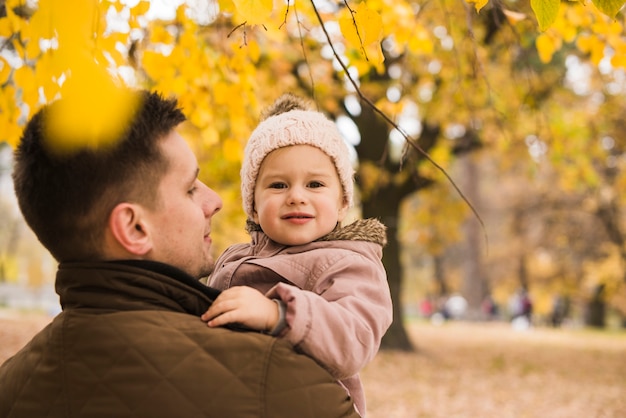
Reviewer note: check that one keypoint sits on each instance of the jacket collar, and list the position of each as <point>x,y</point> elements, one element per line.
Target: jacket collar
<point>173,272</point>
<point>131,285</point>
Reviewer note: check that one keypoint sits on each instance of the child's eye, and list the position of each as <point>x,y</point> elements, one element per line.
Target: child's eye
<point>315,184</point>
<point>278,185</point>
<point>192,190</point>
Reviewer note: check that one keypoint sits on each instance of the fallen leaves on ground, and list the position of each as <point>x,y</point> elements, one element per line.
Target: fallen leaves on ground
<point>490,370</point>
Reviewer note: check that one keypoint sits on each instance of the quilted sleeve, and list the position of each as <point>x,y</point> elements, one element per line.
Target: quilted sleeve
<point>297,387</point>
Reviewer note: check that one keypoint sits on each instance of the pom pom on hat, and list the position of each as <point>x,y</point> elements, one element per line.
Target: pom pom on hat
<point>296,126</point>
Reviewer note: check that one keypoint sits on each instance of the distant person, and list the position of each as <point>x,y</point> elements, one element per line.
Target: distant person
<point>489,307</point>
<point>130,226</point>
<point>325,283</point>
<point>521,309</point>
<point>560,310</point>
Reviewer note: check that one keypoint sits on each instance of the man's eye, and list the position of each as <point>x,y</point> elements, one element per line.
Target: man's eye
<point>278,186</point>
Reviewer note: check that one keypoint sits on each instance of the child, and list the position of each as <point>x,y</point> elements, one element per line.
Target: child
<point>321,286</point>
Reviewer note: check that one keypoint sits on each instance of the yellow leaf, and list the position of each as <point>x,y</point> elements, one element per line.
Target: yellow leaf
<point>158,34</point>
<point>17,23</point>
<point>546,12</point>
<point>32,50</point>
<point>609,7</point>
<point>12,133</point>
<point>546,47</point>
<point>226,6</point>
<point>93,113</point>
<point>370,24</point>
<point>41,22</point>
<point>48,67</point>
<point>156,66</point>
<point>5,70</point>
<point>478,4</point>
<point>6,28</point>
<point>24,76</point>
<point>254,11</point>
<point>619,58</point>
<point>75,27</point>
<point>583,43</point>
<point>376,57</point>
<point>254,51</point>
<point>362,28</point>
<point>19,48</point>
<point>141,8</point>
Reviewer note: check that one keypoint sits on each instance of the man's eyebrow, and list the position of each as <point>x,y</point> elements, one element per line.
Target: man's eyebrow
<point>195,175</point>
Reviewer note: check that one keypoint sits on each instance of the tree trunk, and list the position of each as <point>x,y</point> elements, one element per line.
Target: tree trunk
<point>440,276</point>
<point>473,288</point>
<point>596,309</point>
<point>396,337</point>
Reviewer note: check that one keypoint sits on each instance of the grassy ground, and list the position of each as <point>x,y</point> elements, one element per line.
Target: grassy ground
<point>472,371</point>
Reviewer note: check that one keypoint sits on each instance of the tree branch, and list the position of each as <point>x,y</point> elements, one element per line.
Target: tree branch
<point>406,137</point>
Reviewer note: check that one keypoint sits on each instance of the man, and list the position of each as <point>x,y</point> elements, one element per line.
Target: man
<point>130,226</point>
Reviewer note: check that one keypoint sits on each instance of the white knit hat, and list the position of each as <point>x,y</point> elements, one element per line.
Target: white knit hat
<point>295,127</point>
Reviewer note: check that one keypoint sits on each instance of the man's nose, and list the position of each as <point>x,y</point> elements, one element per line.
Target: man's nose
<point>212,202</point>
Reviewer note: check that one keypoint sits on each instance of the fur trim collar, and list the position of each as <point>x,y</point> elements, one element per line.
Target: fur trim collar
<point>370,230</point>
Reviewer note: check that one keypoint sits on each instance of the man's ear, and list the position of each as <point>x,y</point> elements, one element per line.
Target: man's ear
<point>129,229</point>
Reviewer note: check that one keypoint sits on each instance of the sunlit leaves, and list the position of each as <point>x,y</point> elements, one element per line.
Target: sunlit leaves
<point>593,46</point>
<point>5,70</point>
<point>9,114</point>
<point>94,110</point>
<point>254,12</point>
<point>233,150</point>
<point>609,7</point>
<point>546,12</point>
<point>65,50</point>
<point>547,45</point>
<point>141,8</point>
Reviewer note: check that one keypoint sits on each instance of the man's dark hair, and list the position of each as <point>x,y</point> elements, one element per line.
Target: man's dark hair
<point>66,198</point>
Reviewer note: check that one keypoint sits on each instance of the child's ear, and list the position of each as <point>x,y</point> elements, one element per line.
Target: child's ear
<point>343,211</point>
<point>255,215</point>
<point>129,229</point>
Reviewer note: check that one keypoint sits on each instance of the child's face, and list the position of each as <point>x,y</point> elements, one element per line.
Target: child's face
<point>298,196</point>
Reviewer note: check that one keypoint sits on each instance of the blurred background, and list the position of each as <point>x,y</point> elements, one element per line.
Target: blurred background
<point>489,138</point>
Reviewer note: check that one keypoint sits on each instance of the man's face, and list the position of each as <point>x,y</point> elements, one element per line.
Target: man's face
<point>180,223</point>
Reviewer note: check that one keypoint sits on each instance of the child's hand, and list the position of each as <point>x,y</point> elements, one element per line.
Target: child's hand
<point>243,305</point>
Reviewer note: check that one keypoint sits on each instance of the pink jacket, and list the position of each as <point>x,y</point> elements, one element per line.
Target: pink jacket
<point>335,289</point>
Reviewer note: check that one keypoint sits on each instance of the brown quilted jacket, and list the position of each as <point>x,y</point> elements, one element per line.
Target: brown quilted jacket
<point>129,343</point>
